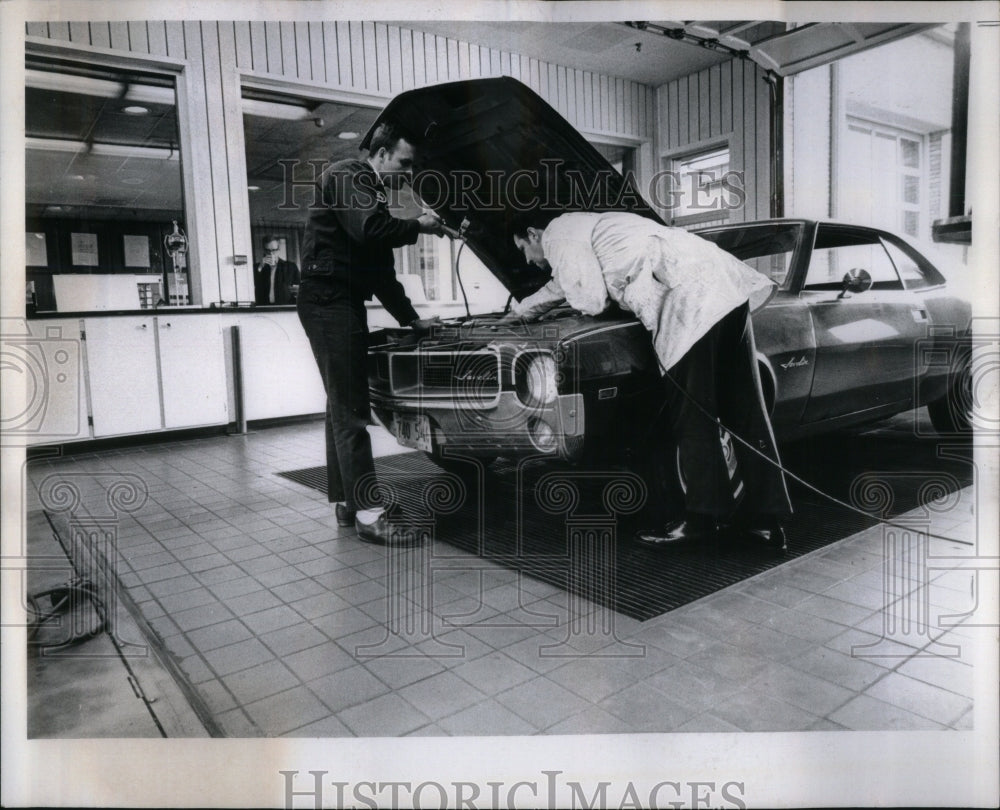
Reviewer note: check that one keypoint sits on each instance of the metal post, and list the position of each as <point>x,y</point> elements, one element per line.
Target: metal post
<point>240,409</point>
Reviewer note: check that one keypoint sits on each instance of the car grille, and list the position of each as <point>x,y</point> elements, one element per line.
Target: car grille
<point>471,377</point>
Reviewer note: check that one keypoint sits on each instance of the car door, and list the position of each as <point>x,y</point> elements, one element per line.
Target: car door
<point>865,359</point>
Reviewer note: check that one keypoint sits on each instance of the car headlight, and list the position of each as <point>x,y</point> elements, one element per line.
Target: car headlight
<point>538,383</point>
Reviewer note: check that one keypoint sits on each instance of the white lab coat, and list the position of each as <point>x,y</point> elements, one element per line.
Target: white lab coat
<point>678,284</point>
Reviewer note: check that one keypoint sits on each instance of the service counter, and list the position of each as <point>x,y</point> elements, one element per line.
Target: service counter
<point>101,374</point>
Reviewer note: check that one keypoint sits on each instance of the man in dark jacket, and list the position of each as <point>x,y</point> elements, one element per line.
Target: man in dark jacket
<point>275,281</point>
<point>347,259</point>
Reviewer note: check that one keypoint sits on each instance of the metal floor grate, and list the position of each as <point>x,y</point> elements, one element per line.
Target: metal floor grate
<point>629,578</point>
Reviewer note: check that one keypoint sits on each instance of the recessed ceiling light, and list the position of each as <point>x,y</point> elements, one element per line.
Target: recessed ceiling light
<point>133,181</point>
<point>135,109</point>
<point>253,188</point>
<point>347,136</point>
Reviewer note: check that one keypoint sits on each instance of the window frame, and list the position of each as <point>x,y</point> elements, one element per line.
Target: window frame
<point>921,172</point>
<point>871,237</point>
<point>56,53</point>
<point>671,162</point>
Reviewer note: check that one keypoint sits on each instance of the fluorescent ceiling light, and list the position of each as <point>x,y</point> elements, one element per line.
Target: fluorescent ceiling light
<point>101,149</point>
<point>347,136</point>
<point>103,88</point>
<point>272,109</point>
<point>135,109</point>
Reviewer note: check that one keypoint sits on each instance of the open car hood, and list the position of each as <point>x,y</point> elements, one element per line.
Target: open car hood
<point>491,147</point>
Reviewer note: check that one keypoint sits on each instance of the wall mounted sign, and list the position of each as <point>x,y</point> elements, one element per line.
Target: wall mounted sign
<point>136,251</point>
<point>84,249</point>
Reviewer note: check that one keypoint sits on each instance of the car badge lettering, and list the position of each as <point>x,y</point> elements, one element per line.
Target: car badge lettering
<point>476,376</point>
<point>793,363</point>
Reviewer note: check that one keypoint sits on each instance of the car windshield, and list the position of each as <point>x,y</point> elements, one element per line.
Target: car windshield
<point>767,248</point>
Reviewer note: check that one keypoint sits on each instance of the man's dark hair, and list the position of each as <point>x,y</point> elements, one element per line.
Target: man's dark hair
<point>269,238</point>
<point>520,221</point>
<point>387,134</point>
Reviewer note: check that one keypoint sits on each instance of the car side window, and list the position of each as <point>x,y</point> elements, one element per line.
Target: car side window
<point>768,249</point>
<point>837,252</point>
<point>914,276</point>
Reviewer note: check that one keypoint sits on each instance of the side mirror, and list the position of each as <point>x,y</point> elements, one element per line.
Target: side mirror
<point>856,280</point>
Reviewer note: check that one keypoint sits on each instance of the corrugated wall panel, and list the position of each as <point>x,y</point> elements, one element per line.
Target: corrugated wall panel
<point>176,43</point>
<point>138,37</point>
<point>289,60</point>
<point>384,81</point>
<point>728,101</point>
<point>100,35</point>
<point>406,58</point>
<point>344,59</point>
<point>120,37</point>
<point>218,152</point>
<point>157,34</point>
<point>317,53</point>
<point>58,30</point>
<point>303,53</point>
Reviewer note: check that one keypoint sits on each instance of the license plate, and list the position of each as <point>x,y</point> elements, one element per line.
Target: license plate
<point>413,431</point>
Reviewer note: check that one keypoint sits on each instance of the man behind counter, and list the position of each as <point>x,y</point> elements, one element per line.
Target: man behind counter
<point>275,281</point>
<point>348,258</point>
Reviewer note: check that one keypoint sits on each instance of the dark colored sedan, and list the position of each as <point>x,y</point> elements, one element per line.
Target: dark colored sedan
<point>862,325</point>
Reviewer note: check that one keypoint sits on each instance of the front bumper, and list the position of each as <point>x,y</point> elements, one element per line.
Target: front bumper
<point>507,427</point>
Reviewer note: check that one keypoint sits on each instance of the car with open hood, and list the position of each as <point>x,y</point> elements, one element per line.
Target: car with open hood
<point>862,325</point>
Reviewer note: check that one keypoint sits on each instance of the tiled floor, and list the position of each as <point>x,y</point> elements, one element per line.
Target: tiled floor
<point>286,625</point>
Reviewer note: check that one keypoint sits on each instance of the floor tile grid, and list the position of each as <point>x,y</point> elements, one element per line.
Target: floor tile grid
<point>957,697</point>
<point>324,507</point>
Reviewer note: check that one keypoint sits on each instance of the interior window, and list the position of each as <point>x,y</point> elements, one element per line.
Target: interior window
<point>104,210</point>
<point>839,251</point>
<point>288,141</point>
<point>700,188</point>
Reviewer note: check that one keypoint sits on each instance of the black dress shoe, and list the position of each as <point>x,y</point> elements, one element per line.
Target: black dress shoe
<point>772,537</point>
<point>677,531</point>
<point>345,516</point>
<point>384,533</point>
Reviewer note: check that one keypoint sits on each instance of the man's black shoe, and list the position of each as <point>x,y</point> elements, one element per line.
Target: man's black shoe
<point>384,533</point>
<point>345,516</point>
<point>677,531</point>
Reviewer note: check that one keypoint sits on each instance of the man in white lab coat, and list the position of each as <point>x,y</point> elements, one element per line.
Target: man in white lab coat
<point>695,299</point>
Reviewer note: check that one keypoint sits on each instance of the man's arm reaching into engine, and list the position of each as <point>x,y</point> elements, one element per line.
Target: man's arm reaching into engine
<point>537,304</point>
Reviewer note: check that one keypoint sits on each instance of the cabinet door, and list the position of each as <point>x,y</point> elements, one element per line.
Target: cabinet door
<point>192,371</point>
<point>47,361</point>
<point>280,377</point>
<point>121,369</point>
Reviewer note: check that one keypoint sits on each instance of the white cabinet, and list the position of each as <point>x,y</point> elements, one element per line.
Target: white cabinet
<point>280,377</point>
<point>121,368</point>
<point>44,398</point>
<point>150,373</point>
<point>192,371</point>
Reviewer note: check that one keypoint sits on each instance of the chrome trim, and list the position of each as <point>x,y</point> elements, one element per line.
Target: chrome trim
<point>517,355</point>
<point>626,325</point>
<point>419,391</point>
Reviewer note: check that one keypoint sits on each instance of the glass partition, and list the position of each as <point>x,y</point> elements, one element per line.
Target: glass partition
<point>104,218</point>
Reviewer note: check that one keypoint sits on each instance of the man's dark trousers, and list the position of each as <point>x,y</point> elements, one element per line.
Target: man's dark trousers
<point>338,333</point>
<point>719,373</point>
